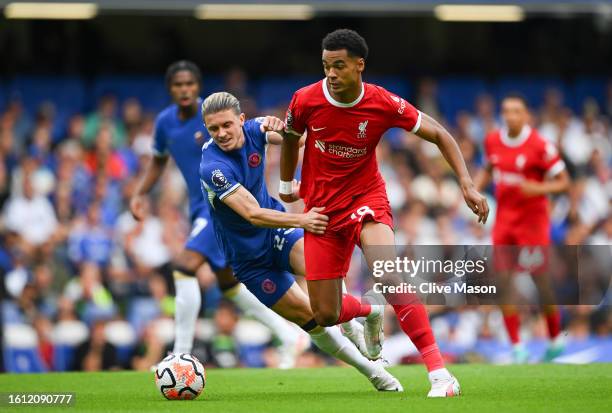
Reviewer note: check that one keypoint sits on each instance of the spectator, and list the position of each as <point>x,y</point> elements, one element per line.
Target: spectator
<point>90,240</point>
<point>106,114</point>
<point>31,220</point>
<point>97,353</point>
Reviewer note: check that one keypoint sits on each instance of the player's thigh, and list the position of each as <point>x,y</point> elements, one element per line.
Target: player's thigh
<point>296,258</point>
<point>377,242</point>
<point>294,306</point>
<point>327,256</point>
<point>267,283</point>
<point>203,241</point>
<point>288,248</point>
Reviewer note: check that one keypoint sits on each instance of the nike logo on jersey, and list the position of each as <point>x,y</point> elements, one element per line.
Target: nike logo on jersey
<point>317,129</point>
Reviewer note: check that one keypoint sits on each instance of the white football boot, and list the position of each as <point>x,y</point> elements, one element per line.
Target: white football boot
<point>443,384</point>
<point>373,332</point>
<point>382,380</point>
<point>353,330</point>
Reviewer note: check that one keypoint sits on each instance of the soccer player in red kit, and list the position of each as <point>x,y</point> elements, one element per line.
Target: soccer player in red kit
<point>525,169</point>
<point>344,119</point>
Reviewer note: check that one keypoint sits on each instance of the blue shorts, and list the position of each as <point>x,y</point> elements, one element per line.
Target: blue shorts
<point>203,240</point>
<point>269,277</point>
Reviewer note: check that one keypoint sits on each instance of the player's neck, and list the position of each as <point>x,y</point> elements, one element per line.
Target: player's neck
<point>515,133</point>
<point>187,112</point>
<point>350,95</point>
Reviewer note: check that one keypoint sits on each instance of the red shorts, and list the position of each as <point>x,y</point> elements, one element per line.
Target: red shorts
<point>328,256</point>
<point>521,248</point>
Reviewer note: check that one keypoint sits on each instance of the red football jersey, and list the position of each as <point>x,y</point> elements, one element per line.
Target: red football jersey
<point>514,160</point>
<point>340,151</point>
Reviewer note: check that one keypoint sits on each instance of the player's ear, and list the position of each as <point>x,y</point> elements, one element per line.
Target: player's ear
<point>242,119</point>
<point>360,64</point>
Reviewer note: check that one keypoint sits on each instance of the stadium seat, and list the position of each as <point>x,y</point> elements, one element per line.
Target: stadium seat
<point>252,338</point>
<point>63,357</point>
<point>67,94</point>
<point>212,84</point>
<point>394,84</point>
<point>141,311</point>
<point>272,92</point>
<point>2,95</point>
<point>67,335</point>
<point>150,91</point>
<point>23,360</point>
<point>459,93</point>
<point>121,334</point>
<point>589,87</point>
<point>533,88</point>
<point>21,349</point>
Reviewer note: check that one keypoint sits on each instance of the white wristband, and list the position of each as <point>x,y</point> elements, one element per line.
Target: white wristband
<point>285,187</point>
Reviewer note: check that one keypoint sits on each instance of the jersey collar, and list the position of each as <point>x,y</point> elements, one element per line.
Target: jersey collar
<point>334,102</point>
<point>515,142</point>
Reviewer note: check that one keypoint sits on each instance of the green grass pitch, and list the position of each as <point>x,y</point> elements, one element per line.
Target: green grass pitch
<point>486,388</point>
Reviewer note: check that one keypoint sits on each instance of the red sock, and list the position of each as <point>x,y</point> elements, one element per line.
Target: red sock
<point>513,325</point>
<point>553,320</point>
<point>351,308</point>
<point>414,321</point>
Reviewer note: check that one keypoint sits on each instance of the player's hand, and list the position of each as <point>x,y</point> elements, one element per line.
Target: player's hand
<point>313,221</point>
<point>531,188</point>
<point>477,202</point>
<point>272,124</point>
<point>295,192</point>
<point>137,207</point>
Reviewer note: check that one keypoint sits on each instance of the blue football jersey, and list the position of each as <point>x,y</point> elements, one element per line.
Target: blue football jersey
<point>222,173</point>
<point>182,139</point>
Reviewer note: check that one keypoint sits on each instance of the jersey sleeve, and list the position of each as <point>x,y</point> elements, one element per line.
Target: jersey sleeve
<point>551,161</point>
<point>254,128</point>
<point>218,179</point>
<point>160,142</point>
<point>294,118</point>
<point>401,113</point>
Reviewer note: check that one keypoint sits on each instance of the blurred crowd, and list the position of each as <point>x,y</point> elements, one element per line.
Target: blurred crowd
<point>71,255</point>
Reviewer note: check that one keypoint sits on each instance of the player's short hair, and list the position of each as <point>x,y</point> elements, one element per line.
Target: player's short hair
<point>180,66</point>
<point>517,96</point>
<point>348,39</point>
<point>220,101</point>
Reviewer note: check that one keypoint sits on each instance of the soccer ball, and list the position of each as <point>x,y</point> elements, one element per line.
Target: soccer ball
<point>180,377</point>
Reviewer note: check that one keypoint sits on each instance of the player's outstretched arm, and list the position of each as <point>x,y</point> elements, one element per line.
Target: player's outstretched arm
<point>153,172</point>
<point>432,131</point>
<point>554,185</point>
<point>483,177</point>
<point>245,205</point>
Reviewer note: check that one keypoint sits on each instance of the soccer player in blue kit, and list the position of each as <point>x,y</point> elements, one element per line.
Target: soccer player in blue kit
<point>179,133</point>
<point>263,243</point>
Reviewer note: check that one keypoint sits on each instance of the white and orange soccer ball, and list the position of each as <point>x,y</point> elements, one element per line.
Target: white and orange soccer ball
<point>180,377</point>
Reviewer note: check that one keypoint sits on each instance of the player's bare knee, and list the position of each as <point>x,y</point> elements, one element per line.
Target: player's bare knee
<point>326,318</point>
<point>188,261</point>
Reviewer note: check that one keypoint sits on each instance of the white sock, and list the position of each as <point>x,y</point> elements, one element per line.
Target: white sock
<point>331,341</point>
<point>250,305</point>
<point>439,374</point>
<point>188,302</point>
